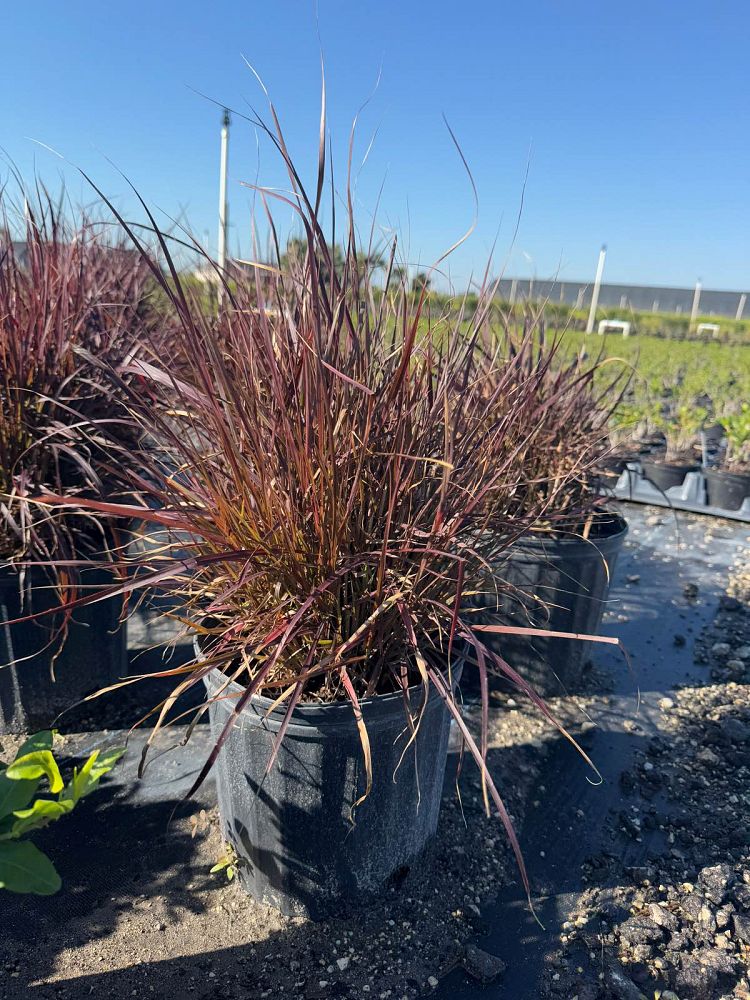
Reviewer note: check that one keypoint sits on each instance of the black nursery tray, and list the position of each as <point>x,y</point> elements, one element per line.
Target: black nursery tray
<point>691,496</point>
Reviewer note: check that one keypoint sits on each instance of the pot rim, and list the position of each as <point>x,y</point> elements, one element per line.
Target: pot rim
<point>675,466</point>
<point>542,542</point>
<point>725,474</point>
<point>377,709</point>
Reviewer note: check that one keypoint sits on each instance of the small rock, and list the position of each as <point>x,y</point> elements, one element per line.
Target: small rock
<point>665,704</point>
<point>723,917</point>
<point>742,653</point>
<point>741,926</point>
<point>736,669</point>
<point>707,919</point>
<point>622,988</point>
<point>481,965</point>
<point>694,980</point>
<point>343,963</point>
<point>692,905</point>
<point>679,640</point>
<point>432,982</point>
<point>634,578</point>
<point>640,930</point>
<point>715,881</point>
<point>721,649</point>
<point>663,917</point>
<point>640,873</point>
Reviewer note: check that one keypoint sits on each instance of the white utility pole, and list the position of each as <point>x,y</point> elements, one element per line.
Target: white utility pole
<point>513,290</point>
<point>597,286</point>
<point>741,306</point>
<point>696,302</point>
<point>223,214</point>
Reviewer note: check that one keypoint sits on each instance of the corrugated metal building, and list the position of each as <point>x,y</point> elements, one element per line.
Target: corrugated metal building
<point>646,298</point>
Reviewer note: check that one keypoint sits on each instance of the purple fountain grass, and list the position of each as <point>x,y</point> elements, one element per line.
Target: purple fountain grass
<point>330,475</point>
<point>575,402</point>
<point>67,292</point>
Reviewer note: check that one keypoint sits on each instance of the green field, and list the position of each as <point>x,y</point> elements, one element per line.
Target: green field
<point>681,369</point>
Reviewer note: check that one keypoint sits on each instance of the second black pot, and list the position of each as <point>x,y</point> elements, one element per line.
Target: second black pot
<point>726,489</point>
<point>561,584</point>
<point>94,654</point>
<point>665,475</point>
<point>297,849</point>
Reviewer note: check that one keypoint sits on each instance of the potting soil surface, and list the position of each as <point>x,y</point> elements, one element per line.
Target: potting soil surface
<point>641,881</point>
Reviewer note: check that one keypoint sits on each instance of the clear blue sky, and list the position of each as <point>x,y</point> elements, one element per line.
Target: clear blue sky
<point>632,117</point>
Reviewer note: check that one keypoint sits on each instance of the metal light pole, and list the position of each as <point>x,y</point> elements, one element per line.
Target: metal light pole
<point>223,213</point>
<point>696,302</point>
<point>597,286</point>
<point>741,306</point>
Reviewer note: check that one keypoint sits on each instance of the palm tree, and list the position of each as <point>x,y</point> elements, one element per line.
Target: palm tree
<point>421,282</point>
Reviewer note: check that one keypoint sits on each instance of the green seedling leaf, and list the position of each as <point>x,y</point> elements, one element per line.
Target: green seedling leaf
<point>15,795</point>
<point>24,868</point>
<point>86,780</point>
<point>38,764</point>
<point>42,812</point>
<point>226,863</point>
<point>39,741</point>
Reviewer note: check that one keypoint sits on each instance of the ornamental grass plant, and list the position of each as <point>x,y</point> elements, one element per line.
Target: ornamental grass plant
<point>575,399</point>
<point>331,473</point>
<point>67,295</point>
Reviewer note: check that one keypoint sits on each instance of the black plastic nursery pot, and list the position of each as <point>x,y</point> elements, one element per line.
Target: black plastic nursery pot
<point>665,475</point>
<point>726,489</point>
<point>296,847</point>
<point>94,653</point>
<point>561,584</point>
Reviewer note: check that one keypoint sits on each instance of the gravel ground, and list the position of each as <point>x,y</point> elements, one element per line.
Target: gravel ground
<point>678,926</point>
<point>147,919</point>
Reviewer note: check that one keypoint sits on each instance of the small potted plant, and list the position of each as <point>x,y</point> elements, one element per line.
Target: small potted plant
<point>681,422</point>
<point>633,429</point>
<point>65,294</point>
<point>728,485</point>
<point>557,574</point>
